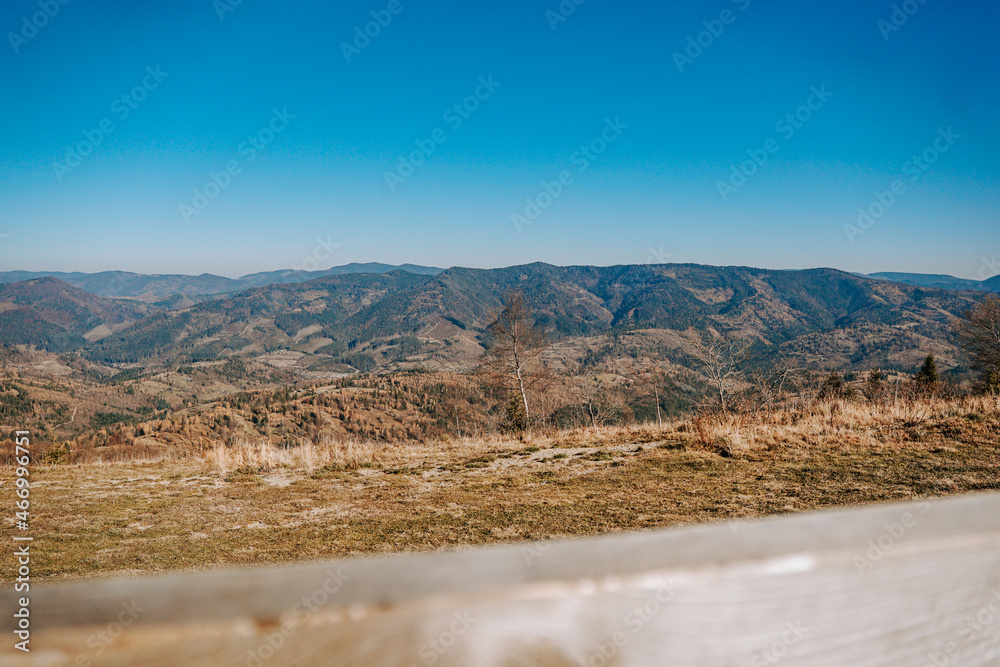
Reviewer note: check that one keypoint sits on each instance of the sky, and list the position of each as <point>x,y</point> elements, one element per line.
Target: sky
<point>232,136</point>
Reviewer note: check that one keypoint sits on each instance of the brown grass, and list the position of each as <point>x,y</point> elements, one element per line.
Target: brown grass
<point>254,503</point>
<point>263,456</point>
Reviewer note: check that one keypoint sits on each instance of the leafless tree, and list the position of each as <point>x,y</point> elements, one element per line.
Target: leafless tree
<point>979,332</point>
<point>770,388</point>
<point>513,360</point>
<point>722,358</point>
<point>651,377</point>
<point>656,396</point>
<point>601,403</point>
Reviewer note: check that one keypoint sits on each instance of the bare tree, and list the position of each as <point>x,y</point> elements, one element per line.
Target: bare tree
<point>774,386</point>
<point>979,332</point>
<point>513,359</point>
<point>656,396</point>
<point>652,376</point>
<point>722,358</point>
<point>601,402</point>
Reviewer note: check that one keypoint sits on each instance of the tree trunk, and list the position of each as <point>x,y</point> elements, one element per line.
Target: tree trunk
<point>659,420</point>
<point>524,396</point>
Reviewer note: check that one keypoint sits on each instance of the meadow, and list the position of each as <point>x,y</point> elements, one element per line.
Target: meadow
<point>253,502</point>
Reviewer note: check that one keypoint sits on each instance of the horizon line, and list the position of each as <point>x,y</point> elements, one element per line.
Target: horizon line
<point>441,270</point>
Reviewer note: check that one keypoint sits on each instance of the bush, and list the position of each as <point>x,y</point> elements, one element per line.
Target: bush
<point>875,385</point>
<point>514,420</point>
<point>568,416</point>
<point>56,456</point>
<point>834,387</point>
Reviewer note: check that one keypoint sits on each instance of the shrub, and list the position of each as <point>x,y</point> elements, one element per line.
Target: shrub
<point>927,376</point>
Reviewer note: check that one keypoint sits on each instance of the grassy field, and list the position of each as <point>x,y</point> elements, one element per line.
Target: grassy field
<point>257,504</point>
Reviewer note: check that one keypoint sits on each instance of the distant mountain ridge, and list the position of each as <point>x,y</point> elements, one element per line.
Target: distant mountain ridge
<point>56,316</point>
<point>940,281</point>
<point>817,318</point>
<point>178,291</point>
<point>368,320</point>
<point>155,287</point>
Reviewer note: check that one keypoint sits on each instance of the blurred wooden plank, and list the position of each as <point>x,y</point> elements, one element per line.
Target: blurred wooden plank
<point>902,584</point>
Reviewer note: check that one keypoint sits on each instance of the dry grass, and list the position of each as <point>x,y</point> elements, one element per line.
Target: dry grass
<point>846,424</point>
<point>253,503</point>
<point>263,456</point>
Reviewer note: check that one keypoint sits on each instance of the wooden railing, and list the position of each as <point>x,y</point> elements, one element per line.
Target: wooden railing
<point>901,584</point>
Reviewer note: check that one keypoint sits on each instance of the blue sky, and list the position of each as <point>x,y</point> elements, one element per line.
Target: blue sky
<point>359,153</point>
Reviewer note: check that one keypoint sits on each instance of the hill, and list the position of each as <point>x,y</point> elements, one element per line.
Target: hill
<point>55,316</point>
<point>154,288</point>
<point>822,317</point>
<point>941,281</point>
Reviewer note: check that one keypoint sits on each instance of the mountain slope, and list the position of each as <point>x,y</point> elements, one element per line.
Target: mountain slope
<point>150,288</point>
<point>53,315</point>
<point>290,276</point>
<point>121,284</point>
<point>367,320</point>
<point>255,321</point>
<point>940,281</point>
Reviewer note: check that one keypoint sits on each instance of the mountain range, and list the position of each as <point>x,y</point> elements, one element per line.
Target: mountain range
<point>365,320</point>
<point>172,289</point>
<point>178,290</point>
<point>56,316</point>
<point>941,282</point>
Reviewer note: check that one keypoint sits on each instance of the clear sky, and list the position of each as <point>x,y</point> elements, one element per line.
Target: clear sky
<point>128,129</point>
